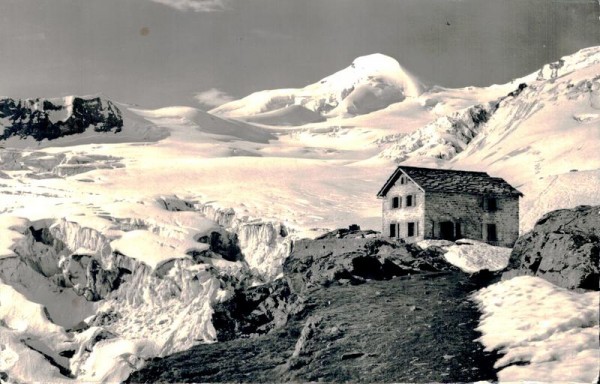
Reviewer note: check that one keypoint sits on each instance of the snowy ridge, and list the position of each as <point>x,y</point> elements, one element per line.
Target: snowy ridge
<point>207,123</point>
<point>370,83</point>
<point>571,63</point>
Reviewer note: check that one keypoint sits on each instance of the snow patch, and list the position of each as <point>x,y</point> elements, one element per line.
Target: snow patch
<point>546,333</point>
<point>470,255</point>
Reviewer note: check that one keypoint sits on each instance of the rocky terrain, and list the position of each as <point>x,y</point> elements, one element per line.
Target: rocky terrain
<point>351,306</point>
<point>348,308</point>
<point>562,248</point>
<point>51,119</point>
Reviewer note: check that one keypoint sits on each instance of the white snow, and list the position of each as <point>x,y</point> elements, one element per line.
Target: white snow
<point>550,331</point>
<point>470,255</point>
<point>23,322</point>
<point>11,230</point>
<point>113,360</point>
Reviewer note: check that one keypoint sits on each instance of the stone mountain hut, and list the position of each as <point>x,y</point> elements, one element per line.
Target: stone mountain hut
<point>424,203</point>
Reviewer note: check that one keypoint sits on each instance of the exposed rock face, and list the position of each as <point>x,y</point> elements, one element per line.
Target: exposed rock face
<point>45,119</point>
<point>562,248</point>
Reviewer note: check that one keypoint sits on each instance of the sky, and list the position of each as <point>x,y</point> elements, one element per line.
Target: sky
<point>199,53</point>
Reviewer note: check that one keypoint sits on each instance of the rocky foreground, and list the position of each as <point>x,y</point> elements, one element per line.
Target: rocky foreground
<point>348,308</point>
<point>353,307</point>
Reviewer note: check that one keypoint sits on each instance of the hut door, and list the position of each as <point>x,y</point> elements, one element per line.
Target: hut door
<point>447,230</point>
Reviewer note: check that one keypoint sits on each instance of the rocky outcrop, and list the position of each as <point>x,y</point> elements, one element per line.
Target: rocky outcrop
<point>47,119</point>
<point>562,248</point>
<point>341,257</point>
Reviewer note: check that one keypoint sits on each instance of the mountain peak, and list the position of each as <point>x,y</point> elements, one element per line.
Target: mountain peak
<point>374,61</point>
<point>370,83</point>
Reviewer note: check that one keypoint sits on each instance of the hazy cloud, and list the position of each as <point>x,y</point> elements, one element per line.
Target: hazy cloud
<point>195,5</point>
<point>213,97</point>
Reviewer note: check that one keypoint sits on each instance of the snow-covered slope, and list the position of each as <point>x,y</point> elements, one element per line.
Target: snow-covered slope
<point>292,115</point>
<point>547,134</point>
<point>370,83</point>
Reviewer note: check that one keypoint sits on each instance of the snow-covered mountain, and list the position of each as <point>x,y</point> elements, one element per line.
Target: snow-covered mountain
<point>71,120</point>
<point>369,84</point>
<point>128,243</point>
<point>51,119</point>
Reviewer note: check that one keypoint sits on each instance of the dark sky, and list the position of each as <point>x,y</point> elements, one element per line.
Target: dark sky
<point>162,52</point>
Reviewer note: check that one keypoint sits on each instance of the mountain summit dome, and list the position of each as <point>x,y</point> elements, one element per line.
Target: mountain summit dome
<point>369,84</point>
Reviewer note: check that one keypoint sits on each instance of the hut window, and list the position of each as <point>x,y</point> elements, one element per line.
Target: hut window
<point>490,204</point>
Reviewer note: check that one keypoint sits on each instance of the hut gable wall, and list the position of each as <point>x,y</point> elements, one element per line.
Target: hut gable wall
<point>403,215</point>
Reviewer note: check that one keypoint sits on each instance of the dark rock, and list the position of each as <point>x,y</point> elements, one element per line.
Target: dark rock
<point>227,245</point>
<point>68,353</point>
<point>562,248</point>
<point>314,264</point>
<point>105,318</point>
<point>32,118</point>
<point>101,282</point>
<point>255,310</point>
<point>352,232</point>
<point>352,355</point>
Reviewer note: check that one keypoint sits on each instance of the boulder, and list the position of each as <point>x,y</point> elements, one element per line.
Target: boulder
<point>562,248</point>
